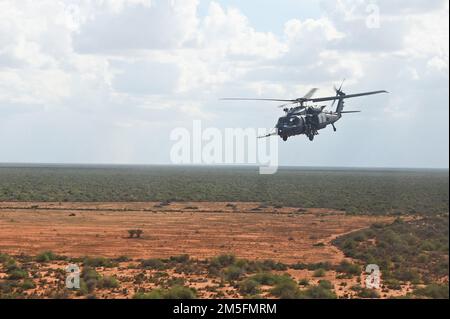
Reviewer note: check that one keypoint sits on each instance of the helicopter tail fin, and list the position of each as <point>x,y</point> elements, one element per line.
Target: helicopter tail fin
<point>340,106</point>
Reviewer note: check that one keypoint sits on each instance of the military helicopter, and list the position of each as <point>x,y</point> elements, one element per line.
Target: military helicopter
<point>308,120</point>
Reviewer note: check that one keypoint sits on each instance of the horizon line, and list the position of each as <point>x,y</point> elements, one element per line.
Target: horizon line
<point>31,164</point>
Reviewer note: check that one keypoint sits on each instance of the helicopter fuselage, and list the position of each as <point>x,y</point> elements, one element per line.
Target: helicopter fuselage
<point>309,123</point>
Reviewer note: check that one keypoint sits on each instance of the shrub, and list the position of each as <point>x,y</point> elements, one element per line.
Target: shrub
<point>89,280</point>
<point>393,284</point>
<point>139,232</point>
<point>270,264</point>
<point>249,287</point>
<point>108,282</point>
<point>17,274</point>
<point>326,284</point>
<point>319,272</point>
<point>153,263</point>
<point>286,289</point>
<point>28,284</point>
<point>4,258</point>
<point>318,292</point>
<point>233,273</point>
<point>176,281</point>
<point>303,282</point>
<point>348,268</point>
<point>122,259</point>
<point>269,279</point>
<point>368,293</point>
<point>434,291</point>
<point>224,260</point>
<point>180,259</point>
<point>46,256</point>
<point>154,294</point>
<point>135,232</point>
<point>98,262</point>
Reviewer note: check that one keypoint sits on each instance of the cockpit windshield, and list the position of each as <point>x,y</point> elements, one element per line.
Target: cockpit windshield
<point>288,121</point>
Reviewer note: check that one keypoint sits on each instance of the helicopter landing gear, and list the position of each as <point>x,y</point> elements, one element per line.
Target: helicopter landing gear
<point>334,127</point>
<point>285,138</point>
<point>311,134</point>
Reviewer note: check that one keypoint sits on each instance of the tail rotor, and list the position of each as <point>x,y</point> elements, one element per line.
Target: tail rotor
<point>339,92</point>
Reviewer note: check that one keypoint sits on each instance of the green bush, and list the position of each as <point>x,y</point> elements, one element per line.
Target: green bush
<point>153,263</point>
<point>348,268</point>
<point>435,291</point>
<point>304,282</point>
<point>232,273</point>
<point>319,272</point>
<point>180,259</point>
<point>368,293</point>
<point>17,274</point>
<point>28,284</point>
<point>270,264</point>
<point>326,284</point>
<point>4,258</point>
<point>286,289</point>
<point>318,292</point>
<point>89,280</point>
<point>108,282</point>
<point>224,260</point>
<point>269,279</point>
<point>46,256</point>
<point>98,262</point>
<point>249,287</point>
<point>154,294</point>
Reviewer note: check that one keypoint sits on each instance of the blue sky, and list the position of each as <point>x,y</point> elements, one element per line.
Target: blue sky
<point>269,15</point>
<point>108,81</point>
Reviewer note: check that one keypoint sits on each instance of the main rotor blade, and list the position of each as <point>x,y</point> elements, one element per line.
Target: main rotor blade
<point>344,112</point>
<point>251,99</point>
<point>287,104</point>
<point>340,88</point>
<point>310,93</point>
<point>333,98</point>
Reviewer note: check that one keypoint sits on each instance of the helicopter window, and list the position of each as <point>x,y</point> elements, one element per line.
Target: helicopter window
<point>293,121</point>
<point>283,120</point>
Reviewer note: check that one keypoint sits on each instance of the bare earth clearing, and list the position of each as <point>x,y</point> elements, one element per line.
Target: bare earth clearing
<point>201,230</point>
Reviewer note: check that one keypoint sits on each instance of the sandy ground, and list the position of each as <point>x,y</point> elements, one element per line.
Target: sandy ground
<point>201,230</point>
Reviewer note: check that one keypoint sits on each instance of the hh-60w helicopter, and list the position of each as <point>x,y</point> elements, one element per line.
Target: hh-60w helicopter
<point>303,119</point>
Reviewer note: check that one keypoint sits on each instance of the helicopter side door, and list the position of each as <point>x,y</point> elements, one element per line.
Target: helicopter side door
<point>322,120</point>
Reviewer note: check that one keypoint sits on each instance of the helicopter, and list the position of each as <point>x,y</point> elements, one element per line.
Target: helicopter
<point>308,120</point>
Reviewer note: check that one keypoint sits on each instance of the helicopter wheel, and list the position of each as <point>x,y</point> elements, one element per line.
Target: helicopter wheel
<point>285,138</point>
<point>311,137</point>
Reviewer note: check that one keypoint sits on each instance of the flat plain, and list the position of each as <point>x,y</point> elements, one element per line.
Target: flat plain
<point>221,232</point>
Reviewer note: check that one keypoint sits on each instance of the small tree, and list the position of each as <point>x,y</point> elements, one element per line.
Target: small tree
<point>139,233</point>
<point>132,232</point>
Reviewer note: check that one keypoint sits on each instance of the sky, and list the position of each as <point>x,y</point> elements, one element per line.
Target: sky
<point>108,81</point>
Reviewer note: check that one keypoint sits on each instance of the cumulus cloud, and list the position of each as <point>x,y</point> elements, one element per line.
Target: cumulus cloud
<point>114,27</point>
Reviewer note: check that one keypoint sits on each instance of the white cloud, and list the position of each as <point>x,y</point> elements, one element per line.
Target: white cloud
<point>136,25</point>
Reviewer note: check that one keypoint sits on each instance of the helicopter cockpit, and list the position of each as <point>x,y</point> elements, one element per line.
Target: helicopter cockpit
<point>288,121</point>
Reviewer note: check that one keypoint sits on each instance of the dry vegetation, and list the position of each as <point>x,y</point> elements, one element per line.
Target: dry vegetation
<point>222,233</point>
